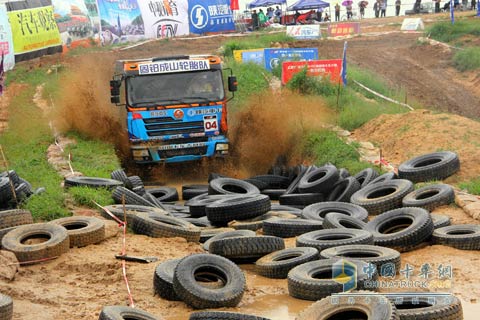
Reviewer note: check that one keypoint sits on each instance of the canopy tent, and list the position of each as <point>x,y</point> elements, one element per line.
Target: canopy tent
<point>265,3</point>
<point>308,5</point>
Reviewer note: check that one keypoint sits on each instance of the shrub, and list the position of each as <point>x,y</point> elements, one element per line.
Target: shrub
<point>468,59</point>
<point>304,84</point>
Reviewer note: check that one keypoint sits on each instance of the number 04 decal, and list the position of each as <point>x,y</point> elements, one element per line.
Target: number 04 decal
<point>210,123</point>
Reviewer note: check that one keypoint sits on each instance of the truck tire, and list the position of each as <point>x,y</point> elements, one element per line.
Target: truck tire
<point>318,211</point>
<point>124,313</point>
<point>381,197</point>
<point>256,223</point>
<point>92,182</point>
<point>313,280</point>
<point>231,186</point>
<point>223,315</point>
<point>343,190</point>
<point>6,192</point>
<point>366,176</point>
<point>287,228</point>
<point>273,194</point>
<point>197,204</point>
<point>163,280</point>
<point>162,226</point>
<point>430,167</point>
<point>201,297</point>
<point>343,173</point>
<point>250,247</point>
<point>82,231</point>
<point>206,234</point>
<point>15,217</point>
<point>6,307</point>
<point>293,186</point>
<point>55,246</point>
<point>164,194</point>
<point>334,220</point>
<point>385,177</point>
<point>130,197</point>
<point>131,210</point>
<point>228,234</point>
<point>277,264</point>
<point>190,191</point>
<point>273,181</point>
<point>300,199</point>
<point>423,309</point>
<point>460,236</point>
<point>324,239</point>
<point>121,176</point>
<point>155,202</point>
<point>430,197</point>
<point>370,254</point>
<point>237,208</point>
<point>440,220</point>
<point>319,180</point>
<point>137,185</point>
<point>257,183</point>
<point>369,306</point>
<point>401,229</point>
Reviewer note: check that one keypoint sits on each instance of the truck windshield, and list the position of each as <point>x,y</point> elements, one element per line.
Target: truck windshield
<point>172,88</point>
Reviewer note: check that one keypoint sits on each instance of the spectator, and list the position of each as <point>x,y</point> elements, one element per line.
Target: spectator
<point>474,5</point>
<point>295,16</point>
<point>376,8</point>
<point>362,4</point>
<point>269,13</point>
<point>319,14</point>
<point>437,6</point>
<point>398,3</point>
<point>456,4</point>
<point>349,12</point>
<point>278,14</point>
<point>383,8</point>
<point>337,12</point>
<point>262,18</point>
<point>326,18</point>
<point>254,20</point>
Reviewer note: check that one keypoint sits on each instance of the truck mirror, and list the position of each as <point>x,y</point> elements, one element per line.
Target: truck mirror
<point>232,83</point>
<point>115,91</point>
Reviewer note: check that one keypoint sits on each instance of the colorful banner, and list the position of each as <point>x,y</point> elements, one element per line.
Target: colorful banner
<point>322,68</point>
<point>165,19</point>
<point>304,32</point>
<point>273,57</point>
<point>6,41</point>
<point>121,21</point>
<point>73,22</point>
<point>238,54</point>
<point>34,29</point>
<point>343,29</point>
<point>256,56</point>
<point>207,16</point>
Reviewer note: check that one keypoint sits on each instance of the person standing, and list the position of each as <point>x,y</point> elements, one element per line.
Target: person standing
<point>296,15</point>
<point>262,18</point>
<point>278,14</point>
<point>319,14</point>
<point>254,20</point>
<point>474,5</point>
<point>398,3</point>
<point>337,12</point>
<point>383,8</point>
<point>376,8</point>
<point>349,11</point>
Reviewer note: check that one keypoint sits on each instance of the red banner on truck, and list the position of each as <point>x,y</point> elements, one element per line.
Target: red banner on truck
<point>323,68</point>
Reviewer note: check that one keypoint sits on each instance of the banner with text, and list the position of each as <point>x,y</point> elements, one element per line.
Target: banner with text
<point>304,32</point>
<point>165,19</point>
<point>6,40</point>
<point>274,57</point>
<point>321,68</point>
<point>75,26</point>
<point>343,29</point>
<point>210,16</point>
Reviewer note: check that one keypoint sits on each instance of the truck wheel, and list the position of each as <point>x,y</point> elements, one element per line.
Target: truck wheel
<point>366,176</point>
<point>163,280</point>
<point>250,247</point>
<point>430,167</point>
<point>162,226</point>
<point>231,186</point>
<point>430,197</point>
<point>334,220</point>
<point>318,211</point>
<point>343,190</point>
<point>124,313</point>
<point>324,239</point>
<point>82,231</point>
<point>460,236</point>
<point>287,228</point>
<point>277,264</point>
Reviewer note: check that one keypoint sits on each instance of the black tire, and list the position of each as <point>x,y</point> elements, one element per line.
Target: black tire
<point>440,220</point>
<point>385,177</point>
<point>318,211</point>
<point>365,305</point>
<point>92,182</point>
<point>300,199</point>
<point>162,226</point>
<point>371,254</point>
<point>237,208</point>
<point>402,229</point>
<point>319,180</point>
<point>228,234</point>
<point>381,197</point>
<point>327,238</point>
<point>130,197</point>
<point>273,181</point>
<point>136,185</point>
<point>420,307</point>
<point>23,191</point>
<point>124,313</point>
<point>257,183</point>
<point>82,230</point>
<point>287,228</point>
<point>343,173</point>
<point>231,186</point>
<point>206,234</point>
<point>460,236</point>
<point>6,192</point>
<point>250,247</point>
<point>192,193</point>
<point>282,208</point>
<point>6,307</point>
<point>314,281</point>
<point>334,220</point>
<point>198,296</point>
<point>366,176</point>
<point>277,264</point>
<point>131,210</point>
<point>213,176</point>
<point>429,167</point>
<point>201,222</point>
<point>197,204</point>
<point>343,190</point>
<point>155,202</point>
<point>293,186</point>
<point>15,217</point>
<point>121,176</point>
<point>166,194</point>
<point>55,246</point>
<point>223,315</point>
<point>274,194</point>
<point>163,280</point>
<point>256,223</point>
<point>13,176</point>
<point>430,197</point>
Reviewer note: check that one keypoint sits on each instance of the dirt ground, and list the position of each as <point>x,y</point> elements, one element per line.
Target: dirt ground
<point>79,283</point>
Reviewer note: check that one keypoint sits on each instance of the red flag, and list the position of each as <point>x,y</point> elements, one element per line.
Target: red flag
<point>1,75</point>
<point>234,5</point>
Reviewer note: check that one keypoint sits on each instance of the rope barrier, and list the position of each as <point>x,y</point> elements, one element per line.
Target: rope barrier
<point>382,96</point>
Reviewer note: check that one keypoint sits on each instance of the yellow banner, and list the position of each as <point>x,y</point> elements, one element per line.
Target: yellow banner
<point>34,29</point>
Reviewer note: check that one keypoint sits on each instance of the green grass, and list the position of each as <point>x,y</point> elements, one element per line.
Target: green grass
<point>446,32</point>
<point>468,59</point>
<point>86,196</point>
<point>304,84</point>
<point>254,41</point>
<point>472,186</point>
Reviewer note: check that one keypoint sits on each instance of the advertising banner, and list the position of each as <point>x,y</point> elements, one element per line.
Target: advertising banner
<point>73,22</point>
<point>165,19</point>
<point>304,32</point>
<point>330,68</point>
<point>6,41</point>
<point>33,29</point>
<point>343,29</point>
<point>273,57</point>
<point>121,21</point>
<point>209,16</point>
<point>250,54</point>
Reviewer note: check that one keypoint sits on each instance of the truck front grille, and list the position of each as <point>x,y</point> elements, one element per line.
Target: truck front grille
<point>195,151</point>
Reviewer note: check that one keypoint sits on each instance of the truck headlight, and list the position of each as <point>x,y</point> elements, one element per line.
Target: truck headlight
<point>221,146</point>
<point>140,153</point>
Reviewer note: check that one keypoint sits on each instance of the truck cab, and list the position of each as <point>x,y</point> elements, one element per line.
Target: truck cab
<point>176,107</point>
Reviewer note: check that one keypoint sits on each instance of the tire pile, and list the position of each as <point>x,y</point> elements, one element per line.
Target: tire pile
<point>13,189</point>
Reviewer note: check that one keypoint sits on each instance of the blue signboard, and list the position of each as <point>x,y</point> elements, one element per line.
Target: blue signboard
<point>274,57</point>
<point>253,56</point>
<point>210,16</point>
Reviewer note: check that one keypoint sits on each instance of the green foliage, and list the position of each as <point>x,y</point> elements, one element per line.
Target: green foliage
<point>372,81</point>
<point>468,59</point>
<point>472,186</point>
<point>445,31</point>
<point>304,84</point>
<point>254,41</point>
<point>86,196</point>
